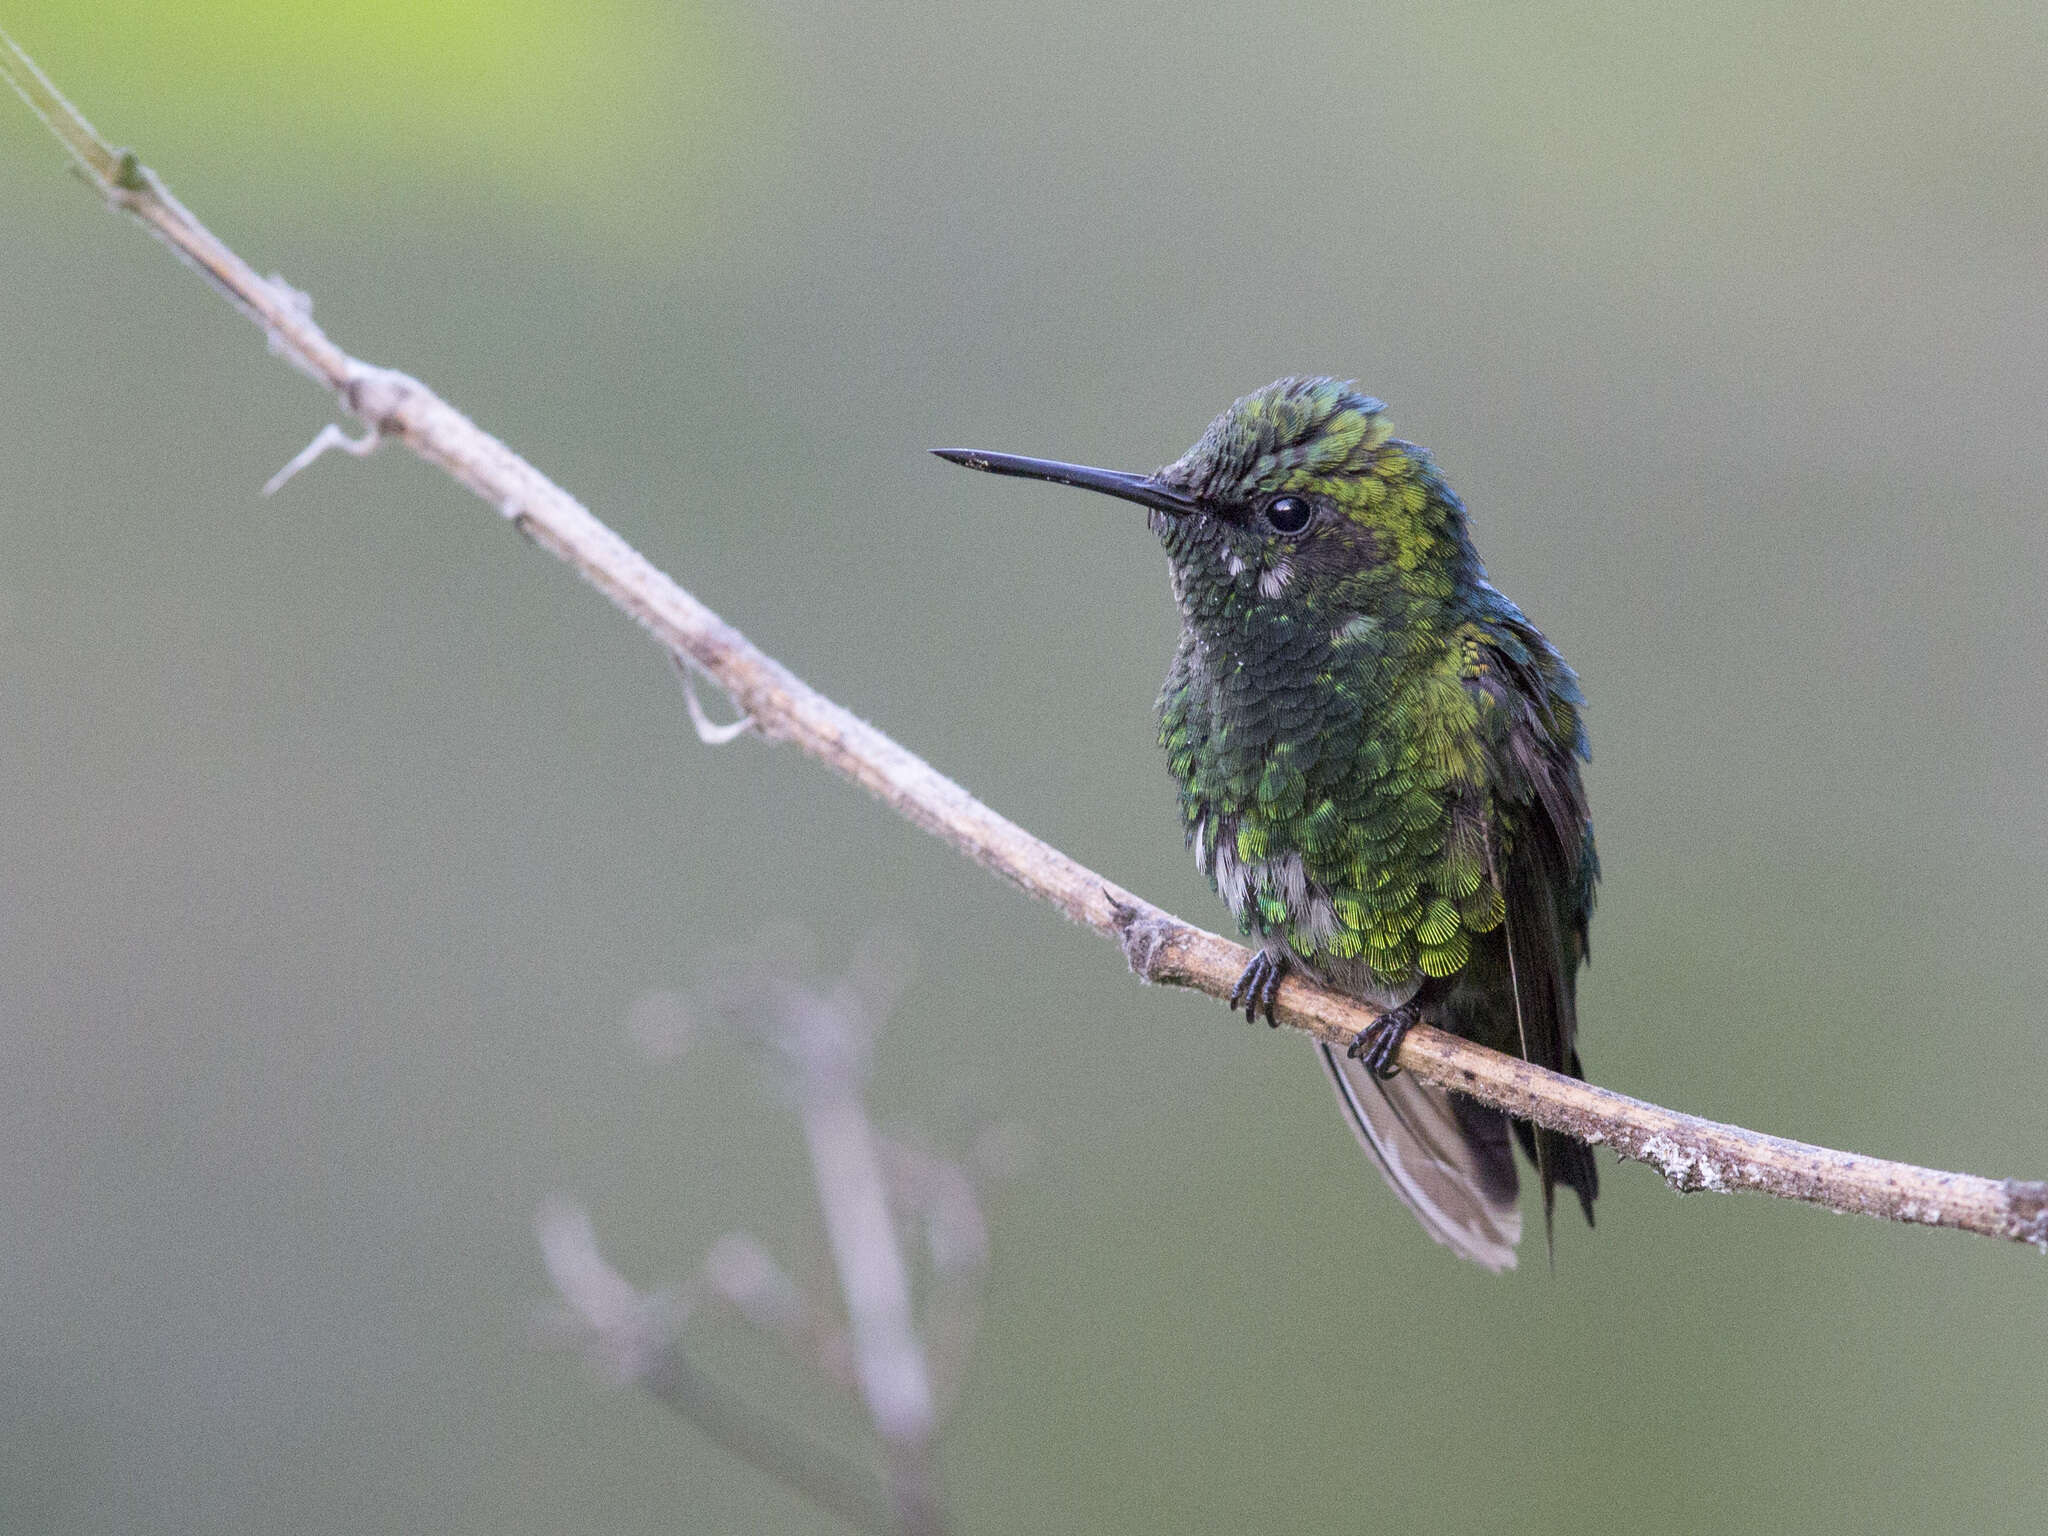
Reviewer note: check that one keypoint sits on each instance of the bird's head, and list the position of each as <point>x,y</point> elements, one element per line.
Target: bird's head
<point>1297,498</point>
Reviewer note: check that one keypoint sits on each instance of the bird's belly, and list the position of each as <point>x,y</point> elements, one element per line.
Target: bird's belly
<point>1354,978</point>
<point>1312,916</point>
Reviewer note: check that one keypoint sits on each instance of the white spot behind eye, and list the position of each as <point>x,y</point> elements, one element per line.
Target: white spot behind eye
<point>1274,579</point>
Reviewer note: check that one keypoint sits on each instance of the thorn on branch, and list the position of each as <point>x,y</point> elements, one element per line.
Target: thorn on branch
<point>130,174</point>
<point>296,297</point>
<point>329,436</point>
<point>709,731</point>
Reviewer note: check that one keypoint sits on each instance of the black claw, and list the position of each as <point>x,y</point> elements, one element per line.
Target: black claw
<point>1257,985</point>
<point>1247,979</point>
<point>1376,1045</point>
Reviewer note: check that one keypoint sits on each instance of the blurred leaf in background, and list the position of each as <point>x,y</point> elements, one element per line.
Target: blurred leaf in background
<point>539,105</point>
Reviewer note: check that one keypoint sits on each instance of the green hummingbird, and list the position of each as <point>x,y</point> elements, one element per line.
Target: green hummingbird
<point>1378,759</point>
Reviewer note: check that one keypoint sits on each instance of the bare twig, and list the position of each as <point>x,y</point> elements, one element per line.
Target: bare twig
<point>1691,1153</point>
<point>941,1199</point>
<point>933,1199</point>
<point>709,731</point>
<point>634,1338</point>
<point>824,1039</point>
<point>332,436</point>
<point>743,1275</point>
<point>895,1383</point>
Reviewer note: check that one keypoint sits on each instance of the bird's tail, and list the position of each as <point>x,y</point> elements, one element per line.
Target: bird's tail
<point>1447,1158</point>
<point>1564,1159</point>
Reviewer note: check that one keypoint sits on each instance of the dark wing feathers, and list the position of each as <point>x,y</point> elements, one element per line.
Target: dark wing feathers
<point>1544,869</point>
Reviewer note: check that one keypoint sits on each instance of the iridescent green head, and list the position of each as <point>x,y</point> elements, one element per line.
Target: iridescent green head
<point>1298,496</point>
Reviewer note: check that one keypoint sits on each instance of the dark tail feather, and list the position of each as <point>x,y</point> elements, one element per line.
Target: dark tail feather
<point>1447,1158</point>
<point>1486,1132</point>
<point>1565,1160</point>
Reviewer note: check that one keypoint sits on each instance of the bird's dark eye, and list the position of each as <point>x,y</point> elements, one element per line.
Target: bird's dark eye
<point>1289,514</point>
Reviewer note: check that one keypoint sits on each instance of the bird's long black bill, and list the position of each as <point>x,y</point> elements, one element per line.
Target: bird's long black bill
<point>1143,489</point>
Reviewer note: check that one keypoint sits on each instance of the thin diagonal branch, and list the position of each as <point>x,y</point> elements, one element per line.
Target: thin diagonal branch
<point>1691,1153</point>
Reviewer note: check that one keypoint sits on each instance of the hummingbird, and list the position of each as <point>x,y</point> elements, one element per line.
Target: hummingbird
<point>1378,757</point>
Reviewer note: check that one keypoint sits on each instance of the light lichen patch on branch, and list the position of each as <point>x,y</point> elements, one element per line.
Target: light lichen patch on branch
<point>1686,1169</point>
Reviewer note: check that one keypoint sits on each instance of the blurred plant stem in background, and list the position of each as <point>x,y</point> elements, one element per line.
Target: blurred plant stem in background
<point>876,1194</point>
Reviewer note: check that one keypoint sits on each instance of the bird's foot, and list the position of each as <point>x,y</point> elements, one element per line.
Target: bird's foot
<point>1257,985</point>
<point>1376,1045</point>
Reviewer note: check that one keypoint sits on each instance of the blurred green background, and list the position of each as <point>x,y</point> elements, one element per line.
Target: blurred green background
<point>342,831</point>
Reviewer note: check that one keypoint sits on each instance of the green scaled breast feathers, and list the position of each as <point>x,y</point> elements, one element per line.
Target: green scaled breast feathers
<point>1361,726</point>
